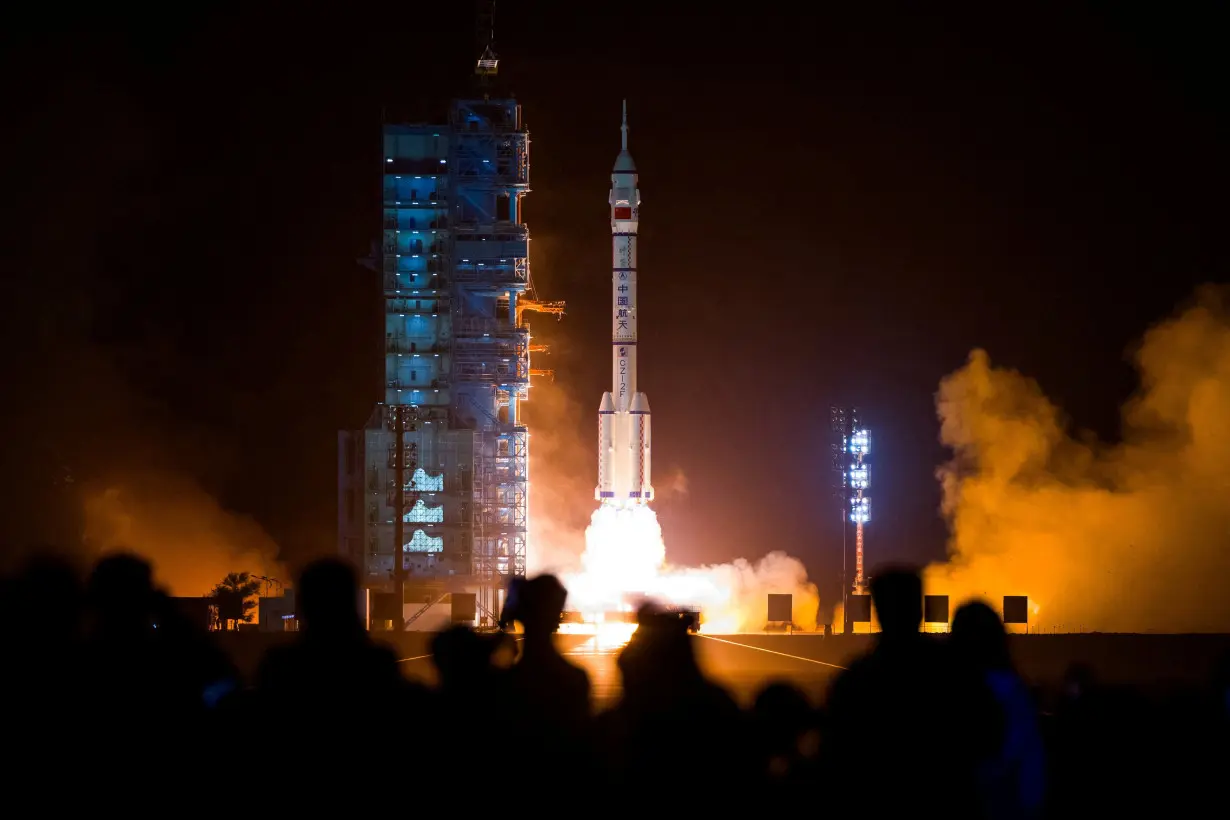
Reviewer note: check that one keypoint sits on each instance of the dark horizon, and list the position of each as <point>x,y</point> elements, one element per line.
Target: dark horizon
<point>838,207</point>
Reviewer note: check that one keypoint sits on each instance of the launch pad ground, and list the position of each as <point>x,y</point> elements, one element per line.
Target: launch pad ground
<point>739,665</point>
<point>743,664</point>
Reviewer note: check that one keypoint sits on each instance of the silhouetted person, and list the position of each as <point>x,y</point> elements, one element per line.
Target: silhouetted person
<point>1078,681</point>
<point>333,657</point>
<point>1221,690</point>
<point>1102,742</point>
<point>48,599</point>
<point>549,695</point>
<point>150,660</point>
<point>338,702</point>
<point>145,686</point>
<point>53,582</point>
<point>470,703</point>
<point>787,740</point>
<point>905,726</point>
<point>672,725</point>
<point>1069,733</point>
<point>463,661</point>
<point>42,612</point>
<point>1217,737</point>
<point>1012,779</point>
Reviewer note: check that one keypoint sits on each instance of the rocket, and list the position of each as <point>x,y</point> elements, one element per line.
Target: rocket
<point>623,416</point>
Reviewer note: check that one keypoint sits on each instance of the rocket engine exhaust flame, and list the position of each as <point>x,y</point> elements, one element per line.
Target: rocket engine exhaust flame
<point>626,556</point>
<point>1127,537</point>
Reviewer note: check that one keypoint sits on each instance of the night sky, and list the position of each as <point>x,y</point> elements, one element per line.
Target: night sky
<point>837,208</point>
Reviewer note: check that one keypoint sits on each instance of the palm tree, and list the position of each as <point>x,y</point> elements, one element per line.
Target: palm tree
<point>235,598</point>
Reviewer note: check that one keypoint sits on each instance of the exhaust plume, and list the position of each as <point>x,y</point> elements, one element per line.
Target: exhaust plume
<point>1127,537</point>
<point>734,597</point>
<point>560,467</point>
<point>602,555</point>
<point>189,538</point>
<point>625,555</point>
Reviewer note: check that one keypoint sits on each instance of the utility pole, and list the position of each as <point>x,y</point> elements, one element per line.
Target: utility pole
<point>847,624</point>
<point>403,418</point>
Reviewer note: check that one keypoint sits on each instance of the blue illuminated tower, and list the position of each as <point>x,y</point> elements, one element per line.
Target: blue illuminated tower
<point>454,262</point>
<point>858,448</point>
<point>851,463</point>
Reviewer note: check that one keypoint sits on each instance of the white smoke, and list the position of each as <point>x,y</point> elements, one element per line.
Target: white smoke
<point>625,555</point>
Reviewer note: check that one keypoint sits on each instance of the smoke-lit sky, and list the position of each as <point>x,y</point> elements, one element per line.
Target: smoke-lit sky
<point>838,207</point>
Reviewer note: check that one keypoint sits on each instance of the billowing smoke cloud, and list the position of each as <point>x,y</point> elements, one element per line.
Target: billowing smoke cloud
<point>562,475</point>
<point>734,597</point>
<point>190,539</point>
<point>670,485</point>
<point>563,469</point>
<point>625,555</point>
<point>1129,537</point>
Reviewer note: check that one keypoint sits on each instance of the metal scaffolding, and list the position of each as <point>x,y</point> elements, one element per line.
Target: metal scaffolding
<point>454,261</point>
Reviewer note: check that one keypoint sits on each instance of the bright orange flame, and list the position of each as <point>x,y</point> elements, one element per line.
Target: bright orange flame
<point>626,556</point>
<point>606,634</point>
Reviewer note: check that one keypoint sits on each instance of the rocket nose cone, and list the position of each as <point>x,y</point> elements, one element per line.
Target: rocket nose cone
<point>607,405</point>
<point>640,403</point>
<point>624,163</point>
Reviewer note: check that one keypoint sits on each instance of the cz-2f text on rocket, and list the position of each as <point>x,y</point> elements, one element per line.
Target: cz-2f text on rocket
<point>623,416</point>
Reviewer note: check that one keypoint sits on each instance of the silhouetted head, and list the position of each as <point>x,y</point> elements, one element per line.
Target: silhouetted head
<point>328,598</point>
<point>541,604</point>
<point>51,584</point>
<point>120,592</point>
<point>10,590</point>
<point>648,614</point>
<point>782,710</point>
<point>1077,680</point>
<point>1221,683</point>
<point>462,657</point>
<point>1221,671</point>
<point>979,637</point>
<point>898,597</point>
<point>659,655</point>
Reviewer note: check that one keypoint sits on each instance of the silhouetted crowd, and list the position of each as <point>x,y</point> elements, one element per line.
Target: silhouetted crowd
<point>114,700</point>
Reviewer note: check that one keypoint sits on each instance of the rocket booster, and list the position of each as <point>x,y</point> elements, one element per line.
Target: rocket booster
<point>623,416</point>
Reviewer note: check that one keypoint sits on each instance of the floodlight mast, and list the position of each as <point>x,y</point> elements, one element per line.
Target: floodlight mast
<point>859,448</point>
<point>851,460</point>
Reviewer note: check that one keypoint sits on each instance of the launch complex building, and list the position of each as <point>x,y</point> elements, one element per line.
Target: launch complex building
<point>454,258</point>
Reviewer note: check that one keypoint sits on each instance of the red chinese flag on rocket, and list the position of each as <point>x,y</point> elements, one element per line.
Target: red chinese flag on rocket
<point>623,213</point>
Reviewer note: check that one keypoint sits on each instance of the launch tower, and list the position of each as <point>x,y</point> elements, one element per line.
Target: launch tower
<point>446,512</point>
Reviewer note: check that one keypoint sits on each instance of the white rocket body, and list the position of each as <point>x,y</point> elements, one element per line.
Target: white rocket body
<point>623,416</point>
